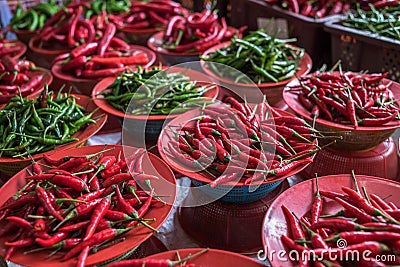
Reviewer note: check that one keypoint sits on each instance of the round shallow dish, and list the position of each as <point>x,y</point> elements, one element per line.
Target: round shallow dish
<point>138,36</point>
<point>362,138</point>
<point>85,86</point>
<point>47,79</point>
<point>273,91</point>
<point>43,57</point>
<point>171,58</point>
<point>211,258</point>
<point>10,166</point>
<point>164,186</point>
<point>104,105</point>
<point>233,192</point>
<point>299,199</point>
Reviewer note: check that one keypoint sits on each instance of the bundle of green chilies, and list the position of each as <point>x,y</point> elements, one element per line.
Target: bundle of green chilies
<point>30,126</point>
<point>33,18</point>
<point>323,8</point>
<point>384,22</point>
<point>155,92</point>
<point>240,143</point>
<point>148,15</point>
<point>107,57</point>
<point>348,98</point>
<point>78,206</point>
<point>15,78</point>
<point>262,59</point>
<point>365,223</point>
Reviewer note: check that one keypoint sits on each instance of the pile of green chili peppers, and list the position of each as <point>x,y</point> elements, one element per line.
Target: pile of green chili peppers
<point>34,126</point>
<point>261,57</point>
<point>384,21</point>
<point>33,18</point>
<point>110,6</point>
<point>163,94</point>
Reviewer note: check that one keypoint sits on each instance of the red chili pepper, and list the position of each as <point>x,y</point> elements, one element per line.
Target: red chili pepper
<point>23,242</point>
<point>45,200</point>
<point>20,222</point>
<point>106,40</point>
<point>72,26</point>
<point>57,237</point>
<point>294,225</point>
<point>316,207</point>
<point>97,238</point>
<point>96,74</point>
<point>359,214</point>
<point>96,217</point>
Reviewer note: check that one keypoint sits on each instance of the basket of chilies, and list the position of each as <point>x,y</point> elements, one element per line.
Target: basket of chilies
<point>186,38</point>
<point>237,153</point>
<point>361,110</point>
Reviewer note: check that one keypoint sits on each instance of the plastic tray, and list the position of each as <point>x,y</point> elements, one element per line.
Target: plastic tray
<point>299,200</point>
<point>362,138</point>
<point>10,166</point>
<point>309,32</point>
<point>362,50</point>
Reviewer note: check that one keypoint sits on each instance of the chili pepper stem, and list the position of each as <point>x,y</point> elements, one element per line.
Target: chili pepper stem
<point>353,176</point>
<point>174,263</point>
<point>82,172</point>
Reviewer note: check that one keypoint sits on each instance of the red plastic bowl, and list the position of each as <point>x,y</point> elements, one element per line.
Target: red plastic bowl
<point>138,36</point>
<point>273,91</point>
<point>299,199</point>
<point>25,35</point>
<point>171,58</point>
<point>211,258</point>
<point>85,86</point>
<point>362,138</point>
<point>43,57</point>
<point>104,105</point>
<point>164,186</point>
<point>180,120</point>
<point>10,166</point>
<point>47,79</point>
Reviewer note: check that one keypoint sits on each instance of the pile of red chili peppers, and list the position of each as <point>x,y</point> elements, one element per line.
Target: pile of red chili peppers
<point>147,15</point>
<point>14,75</point>
<point>107,57</point>
<point>67,28</point>
<point>238,142</point>
<point>196,32</point>
<point>323,8</point>
<point>10,48</point>
<point>348,98</point>
<point>79,205</point>
<point>366,222</point>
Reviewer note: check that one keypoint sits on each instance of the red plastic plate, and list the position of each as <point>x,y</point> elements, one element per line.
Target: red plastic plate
<point>83,135</point>
<point>165,136</point>
<point>164,186</point>
<point>292,101</point>
<point>21,45</point>
<point>104,105</point>
<point>299,200</point>
<point>304,68</point>
<point>211,258</point>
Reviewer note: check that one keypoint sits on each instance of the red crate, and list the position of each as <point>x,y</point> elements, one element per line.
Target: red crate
<point>361,50</point>
<point>309,32</point>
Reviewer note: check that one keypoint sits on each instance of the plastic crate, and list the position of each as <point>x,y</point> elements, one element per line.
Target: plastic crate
<point>309,32</point>
<point>361,50</point>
